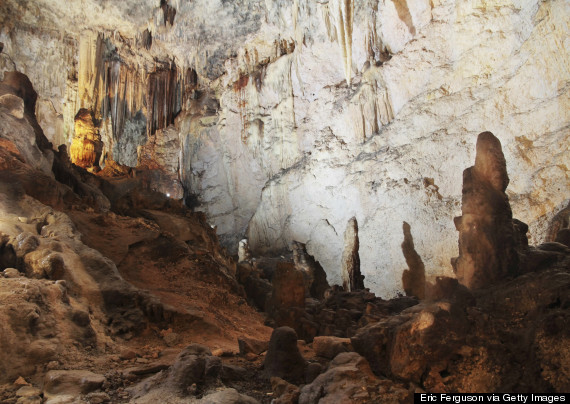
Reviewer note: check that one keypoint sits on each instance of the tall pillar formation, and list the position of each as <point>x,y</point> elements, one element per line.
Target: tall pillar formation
<point>489,237</point>
<point>352,278</point>
<point>86,146</point>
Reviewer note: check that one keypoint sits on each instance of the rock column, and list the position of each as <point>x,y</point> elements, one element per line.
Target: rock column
<point>86,147</point>
<point>488,237</point>
<point>352,279</point>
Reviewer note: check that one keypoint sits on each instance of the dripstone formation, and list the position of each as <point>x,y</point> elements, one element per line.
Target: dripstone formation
<point>489,237</point>
<point>86,147</point>
<point>352,279</point>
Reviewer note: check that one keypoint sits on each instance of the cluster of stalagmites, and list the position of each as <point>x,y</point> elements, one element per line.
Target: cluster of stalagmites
<point>446,330</point>
<point>500,326</point>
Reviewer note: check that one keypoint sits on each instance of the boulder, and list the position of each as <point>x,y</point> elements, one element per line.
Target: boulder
<point>189,367</point>
<point>313,370</point>
<point>227,396</point>
<point>12,273</point>
<point>213,367</point>
<point>14,105</point>
<point>72,382</point>
<point>284,392</point>
<point>28,391</point>
<point>349,379</point>
<point>30,400</point>
<point>406,345</point>
<point>232,373</point>
<point>98,397</point>
<point>249,345</point>
<point>329,347</point>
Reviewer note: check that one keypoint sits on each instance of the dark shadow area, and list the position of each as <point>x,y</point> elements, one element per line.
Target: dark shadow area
<point>414,278</point>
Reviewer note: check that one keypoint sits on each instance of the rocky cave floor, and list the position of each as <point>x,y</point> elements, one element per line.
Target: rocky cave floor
<point>110,292</point>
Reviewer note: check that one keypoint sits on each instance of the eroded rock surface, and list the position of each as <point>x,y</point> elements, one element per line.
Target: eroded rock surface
<point>349,379</point>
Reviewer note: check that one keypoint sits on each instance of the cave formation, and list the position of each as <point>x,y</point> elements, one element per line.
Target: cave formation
<point>204,201</point>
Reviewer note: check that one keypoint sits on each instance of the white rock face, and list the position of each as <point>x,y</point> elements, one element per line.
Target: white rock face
<point>334,109</point>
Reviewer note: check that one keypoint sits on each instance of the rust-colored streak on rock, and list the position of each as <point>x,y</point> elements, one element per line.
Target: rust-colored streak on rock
<point>239,88</point>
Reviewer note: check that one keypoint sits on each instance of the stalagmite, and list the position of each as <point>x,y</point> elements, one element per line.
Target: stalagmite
<point>315,277</point>
<point>244,254</point>
<point>489,237</point>
<point>352,279</point>
<point>86,146</point>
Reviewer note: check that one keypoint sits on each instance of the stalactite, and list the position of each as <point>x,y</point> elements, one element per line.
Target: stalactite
<point>188,87</point>
<point>91,67</point>
<point>123,95</point>
<point>343,13</point>
<point>168,12</point>
<point>162,98</point>
<point>120,93</point>
<point>146,39</point>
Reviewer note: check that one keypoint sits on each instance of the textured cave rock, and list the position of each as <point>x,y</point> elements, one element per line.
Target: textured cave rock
<point>350,379</point>
<point>287,301</point>
<point>315,277</point>
<point>17,84</point>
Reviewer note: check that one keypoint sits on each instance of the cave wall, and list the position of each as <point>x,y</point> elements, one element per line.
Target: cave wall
<point>282,120</point>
